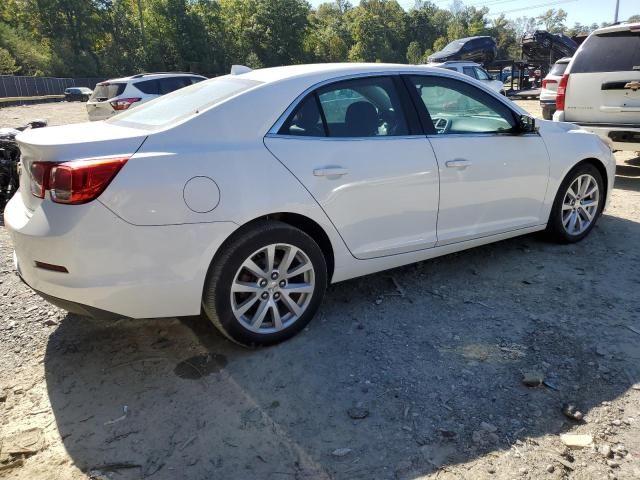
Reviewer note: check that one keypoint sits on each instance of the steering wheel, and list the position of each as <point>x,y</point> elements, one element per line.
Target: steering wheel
<point>440,124</point>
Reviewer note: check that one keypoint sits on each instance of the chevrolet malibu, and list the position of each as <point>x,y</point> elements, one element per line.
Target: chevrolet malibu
<point>245,195</point>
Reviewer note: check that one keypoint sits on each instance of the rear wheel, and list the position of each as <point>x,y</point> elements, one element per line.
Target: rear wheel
<point>266,285</point>
<point>578,204</point>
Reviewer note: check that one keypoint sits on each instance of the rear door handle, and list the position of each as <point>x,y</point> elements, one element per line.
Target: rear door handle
<point>330,172</point>
<point>459,163</point>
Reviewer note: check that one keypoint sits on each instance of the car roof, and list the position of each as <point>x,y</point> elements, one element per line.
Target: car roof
<point>618,28</point>
<point>564,60</point>
<point>320,71</point>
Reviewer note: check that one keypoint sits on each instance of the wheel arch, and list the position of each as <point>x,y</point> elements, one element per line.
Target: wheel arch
<point>302,222</point>
<point>601,169</point>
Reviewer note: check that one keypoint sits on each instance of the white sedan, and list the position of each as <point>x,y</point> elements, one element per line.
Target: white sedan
<point>245,195</point>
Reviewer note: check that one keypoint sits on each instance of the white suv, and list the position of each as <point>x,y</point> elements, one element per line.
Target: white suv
<point>550,87</point>
<point>600,89</point>
<point>473,70</point>
<point>113,96</point>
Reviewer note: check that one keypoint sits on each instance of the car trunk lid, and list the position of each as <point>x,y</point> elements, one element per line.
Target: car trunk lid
<point>72,142</point>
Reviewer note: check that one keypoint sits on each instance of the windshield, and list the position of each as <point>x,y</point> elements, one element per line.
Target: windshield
<point>184,102</point>
<point>453,47</point>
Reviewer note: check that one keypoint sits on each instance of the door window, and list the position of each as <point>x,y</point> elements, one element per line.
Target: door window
<point>455,107</point>
<point>365,107</point>
<point>306,120</point>
<point>150,87</point>
<point>469,72</point>
<point>481,74</point>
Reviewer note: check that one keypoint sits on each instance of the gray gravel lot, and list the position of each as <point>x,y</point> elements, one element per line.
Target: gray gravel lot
<point>423,384</point>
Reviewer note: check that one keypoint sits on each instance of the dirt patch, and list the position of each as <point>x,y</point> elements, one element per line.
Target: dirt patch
<point>438,371</point>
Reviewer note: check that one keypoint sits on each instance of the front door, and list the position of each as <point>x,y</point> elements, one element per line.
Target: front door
<point>492,179</point>
<point>351,145</point>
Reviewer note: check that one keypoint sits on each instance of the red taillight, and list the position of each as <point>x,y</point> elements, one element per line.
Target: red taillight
<point>546,82</point>
<point>124,103</point>
<point>562,92</point>
<point>83,180</point>
<point>40,178</point>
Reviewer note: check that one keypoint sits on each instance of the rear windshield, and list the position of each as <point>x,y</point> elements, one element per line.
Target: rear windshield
<point>609,52</point>
<point>558,69</point>
<point>106,90</point>
<point>184,102</point>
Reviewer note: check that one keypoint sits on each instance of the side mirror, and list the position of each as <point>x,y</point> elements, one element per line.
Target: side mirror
<point>527,124</point>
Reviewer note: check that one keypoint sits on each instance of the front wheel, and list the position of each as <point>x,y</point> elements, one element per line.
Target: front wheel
<point>578,204</point>
<point>266,285</point>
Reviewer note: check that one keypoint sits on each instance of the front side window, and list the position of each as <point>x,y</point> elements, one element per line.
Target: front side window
<point>481,74</point>
<point>456,107</point>
<point>468,71</point>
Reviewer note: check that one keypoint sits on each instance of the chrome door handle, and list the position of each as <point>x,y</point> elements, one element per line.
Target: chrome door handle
<point>459,163</point>
<point>330,172</point>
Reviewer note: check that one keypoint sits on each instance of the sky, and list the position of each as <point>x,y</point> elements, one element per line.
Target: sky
<point>582,11</point>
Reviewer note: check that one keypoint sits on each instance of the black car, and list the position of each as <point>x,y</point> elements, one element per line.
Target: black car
<point>544,48</point>
<point>481,50</point>
<point>81,94</point>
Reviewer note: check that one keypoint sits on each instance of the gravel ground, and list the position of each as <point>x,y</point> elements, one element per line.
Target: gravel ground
<point>411,373</point>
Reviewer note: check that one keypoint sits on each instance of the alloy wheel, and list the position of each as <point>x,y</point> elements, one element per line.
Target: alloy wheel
<point>580,204</point>
<point>272,288</point>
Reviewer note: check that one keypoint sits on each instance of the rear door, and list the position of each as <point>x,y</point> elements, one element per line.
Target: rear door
<point>355,148</point>
<point>604,80</point>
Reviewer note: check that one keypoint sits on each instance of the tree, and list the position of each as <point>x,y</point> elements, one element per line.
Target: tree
<point>7,63</point>
<point>522,25</point>
<point>378,30</point>
<point>328,38</point>
<point>553,20</point>
<point>414,53</point>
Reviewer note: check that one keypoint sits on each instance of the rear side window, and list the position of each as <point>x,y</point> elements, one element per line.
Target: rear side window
<point>106,90</point>
<point>171,84</point>
<point>367,107</point>
<point>150,87</point>
<point>306,120</point>
<point>609,52</point>
<point>558,69</point>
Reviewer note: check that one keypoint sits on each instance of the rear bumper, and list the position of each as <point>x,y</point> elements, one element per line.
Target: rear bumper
<point>114,268</point>
<point>617,136</point>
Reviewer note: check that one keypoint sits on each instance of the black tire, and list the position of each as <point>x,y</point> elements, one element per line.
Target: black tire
<point>546,114</point>
<point>555,227</point>
<point>216,298</point>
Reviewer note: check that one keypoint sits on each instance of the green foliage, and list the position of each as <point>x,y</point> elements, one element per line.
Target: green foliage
<point>7,63</point>
<point>121,37</point>
<point>414,53</point>
<point>553,20</point>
